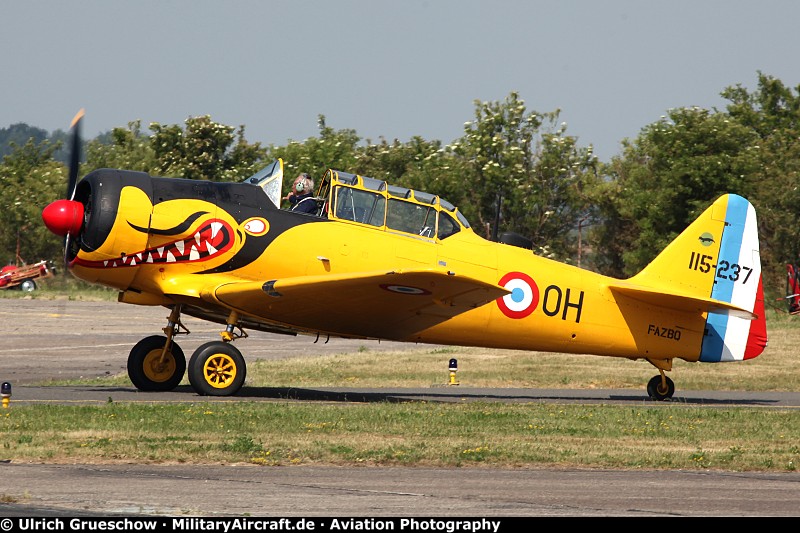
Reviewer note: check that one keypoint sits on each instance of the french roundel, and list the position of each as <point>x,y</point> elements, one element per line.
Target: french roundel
<point>524,296</point>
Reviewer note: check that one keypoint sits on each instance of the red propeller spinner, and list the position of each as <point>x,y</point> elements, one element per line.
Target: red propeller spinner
<point>63,217</point>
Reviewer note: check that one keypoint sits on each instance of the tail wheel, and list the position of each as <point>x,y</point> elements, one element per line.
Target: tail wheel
<point>217,369</point>
<point>146,369</point>
<point>657,391</point>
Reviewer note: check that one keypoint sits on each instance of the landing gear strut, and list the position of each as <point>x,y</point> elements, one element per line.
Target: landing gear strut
<point>156,364</point>
<point>150,369</point>
<point>216,368</point>
<point>661,387</point>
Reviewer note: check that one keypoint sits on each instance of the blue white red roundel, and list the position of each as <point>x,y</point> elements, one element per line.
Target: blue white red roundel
<point>524,296</point>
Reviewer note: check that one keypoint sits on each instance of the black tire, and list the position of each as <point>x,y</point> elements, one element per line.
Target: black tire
<point>654,389</point>
<point>144,371</point>
<point>217,369</point>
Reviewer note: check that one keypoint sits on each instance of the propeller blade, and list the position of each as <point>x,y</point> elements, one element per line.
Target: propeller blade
<point>75,154</point>
<point>66,252</point>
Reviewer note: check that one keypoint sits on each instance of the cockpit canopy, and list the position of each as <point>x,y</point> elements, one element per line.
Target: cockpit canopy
<point>373,202</point>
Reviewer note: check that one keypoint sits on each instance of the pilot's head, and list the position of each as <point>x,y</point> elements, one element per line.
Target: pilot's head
<point>303,184</point>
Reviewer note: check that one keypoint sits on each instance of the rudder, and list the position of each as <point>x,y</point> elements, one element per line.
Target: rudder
<point>737,280</point>
<point>717,257</point>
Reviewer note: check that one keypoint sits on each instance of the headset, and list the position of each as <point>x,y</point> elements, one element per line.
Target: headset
<point>304,182</point>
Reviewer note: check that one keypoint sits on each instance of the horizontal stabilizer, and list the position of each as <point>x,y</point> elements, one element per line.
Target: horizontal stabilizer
<point>679,301</point>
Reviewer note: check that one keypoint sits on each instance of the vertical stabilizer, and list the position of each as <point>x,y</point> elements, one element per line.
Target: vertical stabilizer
<point>717,257</point>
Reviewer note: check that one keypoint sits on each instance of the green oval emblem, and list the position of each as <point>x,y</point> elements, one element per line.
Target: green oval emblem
<point>706,239</point>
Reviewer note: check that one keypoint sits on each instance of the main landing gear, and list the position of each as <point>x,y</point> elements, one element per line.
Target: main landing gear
<point>661,387</point>
<point>216,368</point>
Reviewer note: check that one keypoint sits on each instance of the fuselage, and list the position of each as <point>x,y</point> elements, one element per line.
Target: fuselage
<point>164,241</point>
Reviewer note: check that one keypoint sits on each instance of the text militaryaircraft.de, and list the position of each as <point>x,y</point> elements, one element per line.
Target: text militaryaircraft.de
<point>383,262</point>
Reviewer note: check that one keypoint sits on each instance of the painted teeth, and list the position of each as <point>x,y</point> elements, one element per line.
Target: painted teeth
<point>215,227</point>
<point>199,246</point>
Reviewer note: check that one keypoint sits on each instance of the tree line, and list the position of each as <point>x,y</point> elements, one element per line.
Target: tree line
<point>612,217</point>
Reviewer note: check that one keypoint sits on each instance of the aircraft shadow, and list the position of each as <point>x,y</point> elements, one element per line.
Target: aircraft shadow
<point>460,395</point>
<point>529,396</point>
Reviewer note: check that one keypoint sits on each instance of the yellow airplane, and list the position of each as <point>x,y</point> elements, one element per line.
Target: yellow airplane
<point>376,261</point>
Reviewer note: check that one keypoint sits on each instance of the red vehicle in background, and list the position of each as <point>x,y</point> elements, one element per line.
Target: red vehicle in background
<point>24,277</point>
<point>793,288</point>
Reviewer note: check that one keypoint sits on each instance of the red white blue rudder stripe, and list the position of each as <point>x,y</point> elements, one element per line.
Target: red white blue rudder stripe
<point>730,337</point>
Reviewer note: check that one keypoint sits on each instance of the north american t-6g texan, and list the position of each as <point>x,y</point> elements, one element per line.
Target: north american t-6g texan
<point>385,262</point>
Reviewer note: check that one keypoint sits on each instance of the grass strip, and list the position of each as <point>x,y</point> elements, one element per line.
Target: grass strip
<point>419,434</point>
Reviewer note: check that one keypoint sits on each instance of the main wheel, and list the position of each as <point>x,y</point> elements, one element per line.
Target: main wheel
<point>27,286</point>
<point>656,391</point>
<point>148,373</point>
<point>217,369</point>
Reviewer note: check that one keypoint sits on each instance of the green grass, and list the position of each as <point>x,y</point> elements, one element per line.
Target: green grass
<point>66,288</point>
<point>419,434</point>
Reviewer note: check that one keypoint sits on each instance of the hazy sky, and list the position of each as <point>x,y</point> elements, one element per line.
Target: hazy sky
<point>391,69</point>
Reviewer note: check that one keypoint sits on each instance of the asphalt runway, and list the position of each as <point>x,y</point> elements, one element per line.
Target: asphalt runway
<point>63,339</point>
<point>218,491</point>
<point>60,339</point>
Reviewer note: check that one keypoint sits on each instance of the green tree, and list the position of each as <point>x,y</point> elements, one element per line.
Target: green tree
<point>772,112</point>
<point>393,162</point>
<point>128,149</point>
<point>435,169</point>
<point>665,178</point>
<point>417,164</point>
<point>204,150</point>
<point>29,180</point>
<point>18,135</point>
<point>334,149</point>
<point>525,163</point>
<point>244,158</point>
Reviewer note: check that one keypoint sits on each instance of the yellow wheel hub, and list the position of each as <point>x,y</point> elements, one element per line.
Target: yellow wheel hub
<point>158,371</point>
<point>220,370</point>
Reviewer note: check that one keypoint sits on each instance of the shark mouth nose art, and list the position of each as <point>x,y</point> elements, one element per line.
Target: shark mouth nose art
<point>210,240</point>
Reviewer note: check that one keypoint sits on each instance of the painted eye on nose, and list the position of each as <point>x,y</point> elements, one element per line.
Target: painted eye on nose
<point>256,226</point>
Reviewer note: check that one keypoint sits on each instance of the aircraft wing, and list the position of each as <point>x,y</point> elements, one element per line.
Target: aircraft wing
<point>676,300</point>
<point>385,304</point>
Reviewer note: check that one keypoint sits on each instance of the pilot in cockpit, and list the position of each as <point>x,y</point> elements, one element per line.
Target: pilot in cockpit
<point>301,197</point>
